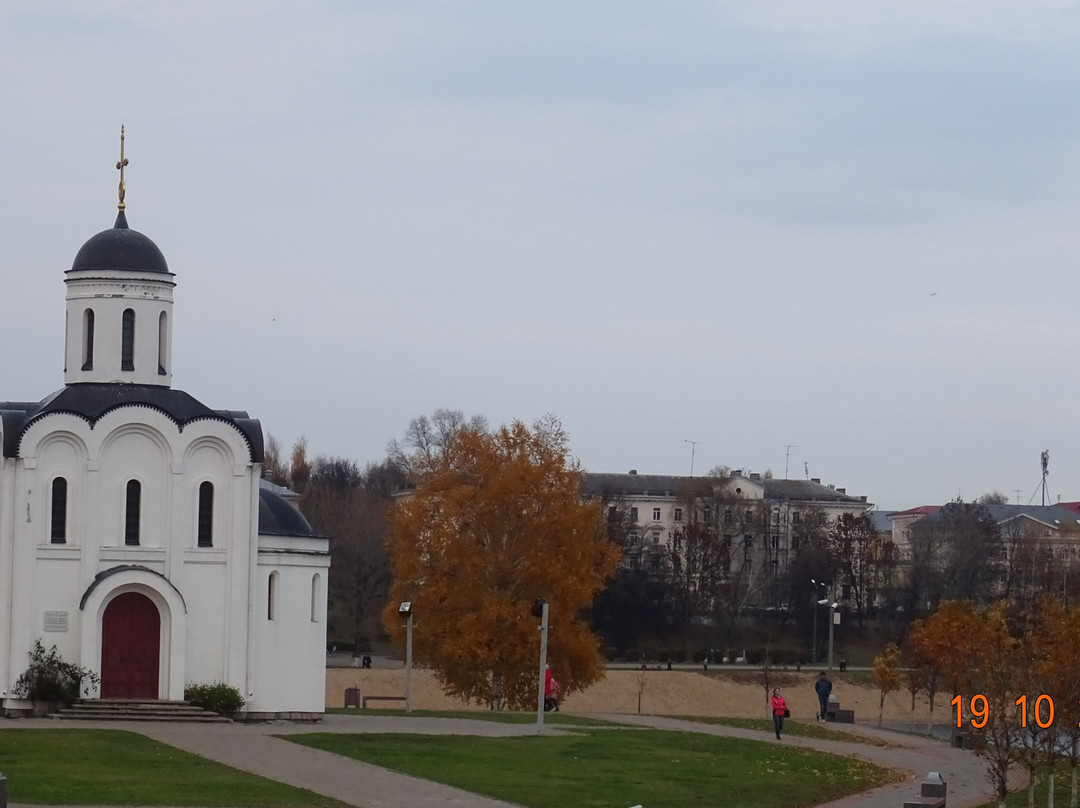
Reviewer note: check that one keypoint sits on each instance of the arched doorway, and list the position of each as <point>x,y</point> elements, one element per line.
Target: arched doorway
<point>130,648</point>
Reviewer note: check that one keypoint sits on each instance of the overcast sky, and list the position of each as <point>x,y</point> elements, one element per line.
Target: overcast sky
<point>849,228</point>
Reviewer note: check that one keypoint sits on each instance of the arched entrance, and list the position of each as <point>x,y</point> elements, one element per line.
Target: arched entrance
<point>130,648</point>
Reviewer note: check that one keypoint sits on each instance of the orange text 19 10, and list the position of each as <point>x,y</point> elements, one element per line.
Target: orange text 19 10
<point>979,706</point>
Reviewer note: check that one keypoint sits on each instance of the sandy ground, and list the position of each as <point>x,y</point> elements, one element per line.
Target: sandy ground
<point>662,692</point>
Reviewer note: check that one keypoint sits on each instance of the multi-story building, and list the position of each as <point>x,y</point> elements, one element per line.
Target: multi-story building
<point>760,519</point>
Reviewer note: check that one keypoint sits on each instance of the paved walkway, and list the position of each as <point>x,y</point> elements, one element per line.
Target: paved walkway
<point>253,748</point>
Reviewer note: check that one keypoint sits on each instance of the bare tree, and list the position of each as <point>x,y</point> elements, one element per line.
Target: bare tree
<point>347,505</point>
<point>955,554</point>
<point>852,546</point>
<point>429,441</point>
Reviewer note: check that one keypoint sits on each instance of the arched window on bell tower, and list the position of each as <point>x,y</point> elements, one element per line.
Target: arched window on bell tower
<point>162,336</point>
<point>88,339</point>
<point>127,341</point>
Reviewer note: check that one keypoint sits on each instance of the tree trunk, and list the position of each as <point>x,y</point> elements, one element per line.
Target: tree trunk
<point>1072,788</point>
<point>1031,788</point>
<point>1050,793</point>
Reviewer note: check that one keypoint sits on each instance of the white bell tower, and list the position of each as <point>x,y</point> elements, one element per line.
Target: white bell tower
<point>119,307</point>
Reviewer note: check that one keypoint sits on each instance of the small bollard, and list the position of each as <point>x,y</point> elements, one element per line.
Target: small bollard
<point>934,786</point>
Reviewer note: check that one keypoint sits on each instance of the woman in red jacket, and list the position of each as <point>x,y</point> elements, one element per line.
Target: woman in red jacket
<point>779,711</point>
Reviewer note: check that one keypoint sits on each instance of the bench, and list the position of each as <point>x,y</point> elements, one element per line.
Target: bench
<point>366,699</point>
<point>964,739</point>
<point>835,714</point>
<point>931,793</point>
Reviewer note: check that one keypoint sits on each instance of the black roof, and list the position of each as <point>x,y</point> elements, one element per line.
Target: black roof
<point>807,491</point>
<point>610,486</point>
<point>279,517</point>
<point>120,248</point>
<point>92,401</point>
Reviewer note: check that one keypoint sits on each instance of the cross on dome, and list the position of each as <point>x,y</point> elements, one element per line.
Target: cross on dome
<point>120,165</point>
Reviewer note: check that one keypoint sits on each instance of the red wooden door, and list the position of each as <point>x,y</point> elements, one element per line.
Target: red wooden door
<point>130,644</point>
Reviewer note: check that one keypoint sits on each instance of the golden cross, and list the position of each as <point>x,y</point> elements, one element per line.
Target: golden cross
<point>123,162</point>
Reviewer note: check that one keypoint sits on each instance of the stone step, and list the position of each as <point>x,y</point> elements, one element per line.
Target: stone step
<point>136,710</point>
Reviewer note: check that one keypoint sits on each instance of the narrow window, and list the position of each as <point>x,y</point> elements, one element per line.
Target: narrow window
<point>270,594</point>
<point>162,332</point>
<point>656,537</point>
<point>131,513</point>
<point>633,514</point>
<point>656,514</point>
<point>58,528</point>
<point>127,338</point>
<point>206,515</point>
<point>316,597</point>
<point>88,340</point>
<point>678,514</point>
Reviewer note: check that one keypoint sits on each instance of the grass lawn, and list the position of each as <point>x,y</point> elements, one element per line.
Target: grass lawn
<point>115,767</point>
<point>603,768</point>
<point>814,730</point>
<point>1062,790</point>
<point>504,717</point>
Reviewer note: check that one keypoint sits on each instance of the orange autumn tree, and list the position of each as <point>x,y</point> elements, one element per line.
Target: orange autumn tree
<point>497,522</point>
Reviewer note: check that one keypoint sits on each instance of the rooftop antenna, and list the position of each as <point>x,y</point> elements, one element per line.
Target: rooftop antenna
<point>787,457</point>
<point>693,450</point>
<point>806,469</point>
<point>1045,471</point>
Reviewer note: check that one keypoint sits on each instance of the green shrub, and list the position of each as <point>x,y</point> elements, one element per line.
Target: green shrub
<point>216,697</point>
<point>49,678</point>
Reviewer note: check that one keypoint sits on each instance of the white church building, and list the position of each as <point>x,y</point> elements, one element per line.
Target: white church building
<point>136,532</point>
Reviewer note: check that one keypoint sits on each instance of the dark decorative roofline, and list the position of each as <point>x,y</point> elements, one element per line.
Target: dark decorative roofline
<point>92,402</point>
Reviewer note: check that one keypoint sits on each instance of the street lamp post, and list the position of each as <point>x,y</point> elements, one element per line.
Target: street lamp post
<point>406,609</point>
<point>813,642</point>
<point>834,618</point>
<point>540,609</point>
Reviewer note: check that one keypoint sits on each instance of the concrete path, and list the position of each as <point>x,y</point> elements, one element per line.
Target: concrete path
<point>253,748</point>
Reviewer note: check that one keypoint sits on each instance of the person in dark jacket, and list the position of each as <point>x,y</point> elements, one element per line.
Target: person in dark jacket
<point>823,687</point>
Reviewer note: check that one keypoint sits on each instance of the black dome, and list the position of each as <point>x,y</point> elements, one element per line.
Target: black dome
<point>279,517</point>
<point>121,248</point>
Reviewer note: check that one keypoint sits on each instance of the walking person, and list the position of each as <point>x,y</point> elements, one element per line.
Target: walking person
<point>823,687</point>
<point>780,711</point>
<point>551,691</point>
